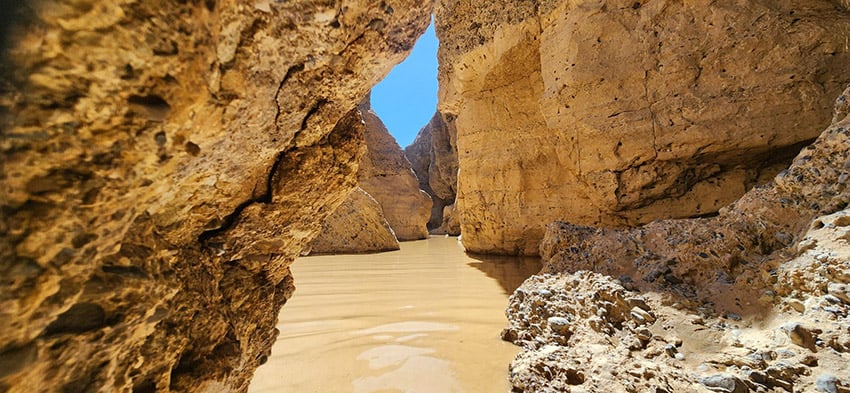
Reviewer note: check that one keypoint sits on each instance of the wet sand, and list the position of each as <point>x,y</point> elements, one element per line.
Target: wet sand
<point>423,319</point>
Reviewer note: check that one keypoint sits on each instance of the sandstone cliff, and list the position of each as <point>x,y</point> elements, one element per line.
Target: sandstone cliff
<point>433,156</point>
<point>386,175</point>
<point>755,299</point>
<point>398,211</point>
<point>617,113</point>
<point>163,162</point>
<point>356,226</point>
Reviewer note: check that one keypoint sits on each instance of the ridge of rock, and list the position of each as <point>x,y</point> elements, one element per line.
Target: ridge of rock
<point>433,156</point>
<point>385,173</point>
<point>162,165</point>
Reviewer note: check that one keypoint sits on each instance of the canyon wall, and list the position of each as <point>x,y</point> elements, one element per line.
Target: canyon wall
<point>386,175</point>
<point>616,113</point>
<point>163,162</point>
<point>433,155</point>
<point>755,299</point>
<point>399,210</point>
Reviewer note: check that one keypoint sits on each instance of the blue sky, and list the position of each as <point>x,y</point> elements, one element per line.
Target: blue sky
<point>407,98</point>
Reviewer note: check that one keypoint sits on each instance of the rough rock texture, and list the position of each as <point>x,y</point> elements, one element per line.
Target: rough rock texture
<point>387,176</point>
<point>755,299</point>
<point>621,112</point>
<point>451,222</point>
<point>363,224</point>
<point>356,226</point>
<point>433,156</point>
<point>162,164</point>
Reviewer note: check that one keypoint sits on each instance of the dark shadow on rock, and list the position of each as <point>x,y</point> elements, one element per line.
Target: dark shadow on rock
<point>508,271</point>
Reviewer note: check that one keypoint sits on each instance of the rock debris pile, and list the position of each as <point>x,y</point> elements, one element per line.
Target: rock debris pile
<point>753,300</point>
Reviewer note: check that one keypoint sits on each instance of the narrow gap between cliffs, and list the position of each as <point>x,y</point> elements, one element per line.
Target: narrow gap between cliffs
<point>407,98</point>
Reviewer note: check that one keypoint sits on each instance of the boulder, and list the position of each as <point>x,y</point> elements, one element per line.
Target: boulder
<point>357,226</point>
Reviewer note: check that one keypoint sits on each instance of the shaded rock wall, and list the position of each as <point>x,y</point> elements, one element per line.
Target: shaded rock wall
<point>433,156</point>
<point>750,300</point>
<point>356,226</point>
<point>398,211</point>
<point>163,162</point>
<point>387,176</point>
<point>619,113</point>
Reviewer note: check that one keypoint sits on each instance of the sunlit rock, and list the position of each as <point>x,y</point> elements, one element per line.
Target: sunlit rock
<point>617,113</point>
<point>163,162</point>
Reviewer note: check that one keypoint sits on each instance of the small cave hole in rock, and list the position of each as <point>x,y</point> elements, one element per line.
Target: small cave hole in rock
<point>153,107</point>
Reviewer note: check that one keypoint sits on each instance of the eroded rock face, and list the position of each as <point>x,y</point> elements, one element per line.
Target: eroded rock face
<point>363,224</point>
<point>387,176</point>
<point>163,163</point>
<point>753,299</point>
<point>451,222</point>
<point>356,226</point>
<point>433,156</point>
<point>619,113</point>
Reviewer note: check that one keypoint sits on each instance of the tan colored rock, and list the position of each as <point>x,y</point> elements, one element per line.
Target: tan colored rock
<point>620,113</point>
<point>356,226</point>
<point>433,156</point>
<point>451,222</point>
<point>162,165</point>
<point>746,297</point>
<point>387,176</point>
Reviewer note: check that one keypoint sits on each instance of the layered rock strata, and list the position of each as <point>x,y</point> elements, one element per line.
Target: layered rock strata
<point>755,299</point>
<point>619,113</point>
<point>163,163</point>
<point>433,155</point>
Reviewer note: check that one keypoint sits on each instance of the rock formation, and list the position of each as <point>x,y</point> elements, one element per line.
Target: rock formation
<point>433,155</point>
<point>755,299</point>
<point>356,226</point>
<point>386,175</point>
<point>451,222</point>
<point>617,113</point>
<point>163,162</point>
<point>362,223</point>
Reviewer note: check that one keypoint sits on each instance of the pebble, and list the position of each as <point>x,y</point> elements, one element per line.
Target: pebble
<point>832,299</point>
<point>724,383</point>
<point>799,335</point>
<point>559,325</point>
<point>641,315</point>
<point>840,291</point>
<point>643,334</point>
<point>638,301</point>
<point>796,305</point>
<point>758,377</point>
<point>827,383</point>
